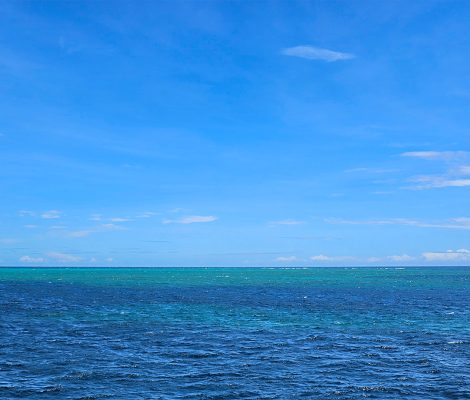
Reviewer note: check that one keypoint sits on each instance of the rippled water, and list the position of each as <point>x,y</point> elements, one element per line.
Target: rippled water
<point>235,333</point>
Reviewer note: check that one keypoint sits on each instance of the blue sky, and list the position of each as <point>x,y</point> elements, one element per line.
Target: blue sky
<point>234,133</point>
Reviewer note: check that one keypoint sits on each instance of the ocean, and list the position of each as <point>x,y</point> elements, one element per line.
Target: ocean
<point>235,333</point>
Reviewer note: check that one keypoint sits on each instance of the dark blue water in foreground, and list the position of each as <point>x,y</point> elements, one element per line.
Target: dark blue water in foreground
<point>235,333</point>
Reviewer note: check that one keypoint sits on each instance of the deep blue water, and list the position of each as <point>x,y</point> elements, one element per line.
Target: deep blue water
<point>235,333</point>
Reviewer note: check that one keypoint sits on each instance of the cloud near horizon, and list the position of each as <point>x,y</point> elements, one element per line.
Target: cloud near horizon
<point>447,256</point>
<point>29,259</point>
<point>316,53</point>
<point>63,257</point>
<point>322,257</point>
<point>288,259</point>
<point>401,258</point>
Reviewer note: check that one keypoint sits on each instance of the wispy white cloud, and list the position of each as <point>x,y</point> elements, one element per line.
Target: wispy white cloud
<point>325,258</point>
<point>316,53</point>
<point>193,219</point>
<point>51,214</point>
<point>26,213</point>
<point>100,217</point>
<point>97,229</point>
<point>29,259</point>
<point>367,170</point>
<point>456,176</point>
<point>120,219</point>
<point>311,237</point>
<point>447,256</point>
<point>391,221</point>
<point>287,222</point>
<point>462,220</point>
<point>461,255</point>
<point>81,233</point>
<point>463,169</point>
<point>63,257</point>
<point>437,155</point>
<point>401,258</point>
<point>146,214</point>
<point>452,223</point>
<point>435,182</point>
<point>110,227</point>
<point>374,260</point>
<point>288,259</point>
<point>396,259</point>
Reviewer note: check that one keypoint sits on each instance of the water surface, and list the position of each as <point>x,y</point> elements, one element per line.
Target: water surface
<point>235,333</point>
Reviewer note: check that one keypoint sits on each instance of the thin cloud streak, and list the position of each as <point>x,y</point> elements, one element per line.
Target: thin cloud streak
<point>437,182</point>
<point>51,214</point>
<point>316,53</point>
<point>63,257</point>
<point>401,258</point>
<point>146,214</point>
<point>287,222</point>
<point>193,219</point>
<point>288,259</point>
<point>98,229</point>
<point>26,213</point>
<point>436,155</point>
<point>447,256</point>
<point>32,260</point>
<point>322,258</point>
<point>463,170</point>
<point>453,177</point>
<point>453,223</point>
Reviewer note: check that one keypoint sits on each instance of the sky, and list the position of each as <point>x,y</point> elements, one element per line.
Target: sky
<point>234,133</point>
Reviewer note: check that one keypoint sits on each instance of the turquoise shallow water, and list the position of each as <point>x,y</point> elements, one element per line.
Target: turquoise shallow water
<point>232,333</point>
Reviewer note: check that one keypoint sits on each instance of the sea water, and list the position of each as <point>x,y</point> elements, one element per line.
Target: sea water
<point>235,333</point>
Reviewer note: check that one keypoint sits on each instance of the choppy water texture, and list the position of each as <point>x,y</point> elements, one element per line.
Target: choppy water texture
<point>224,333</point>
